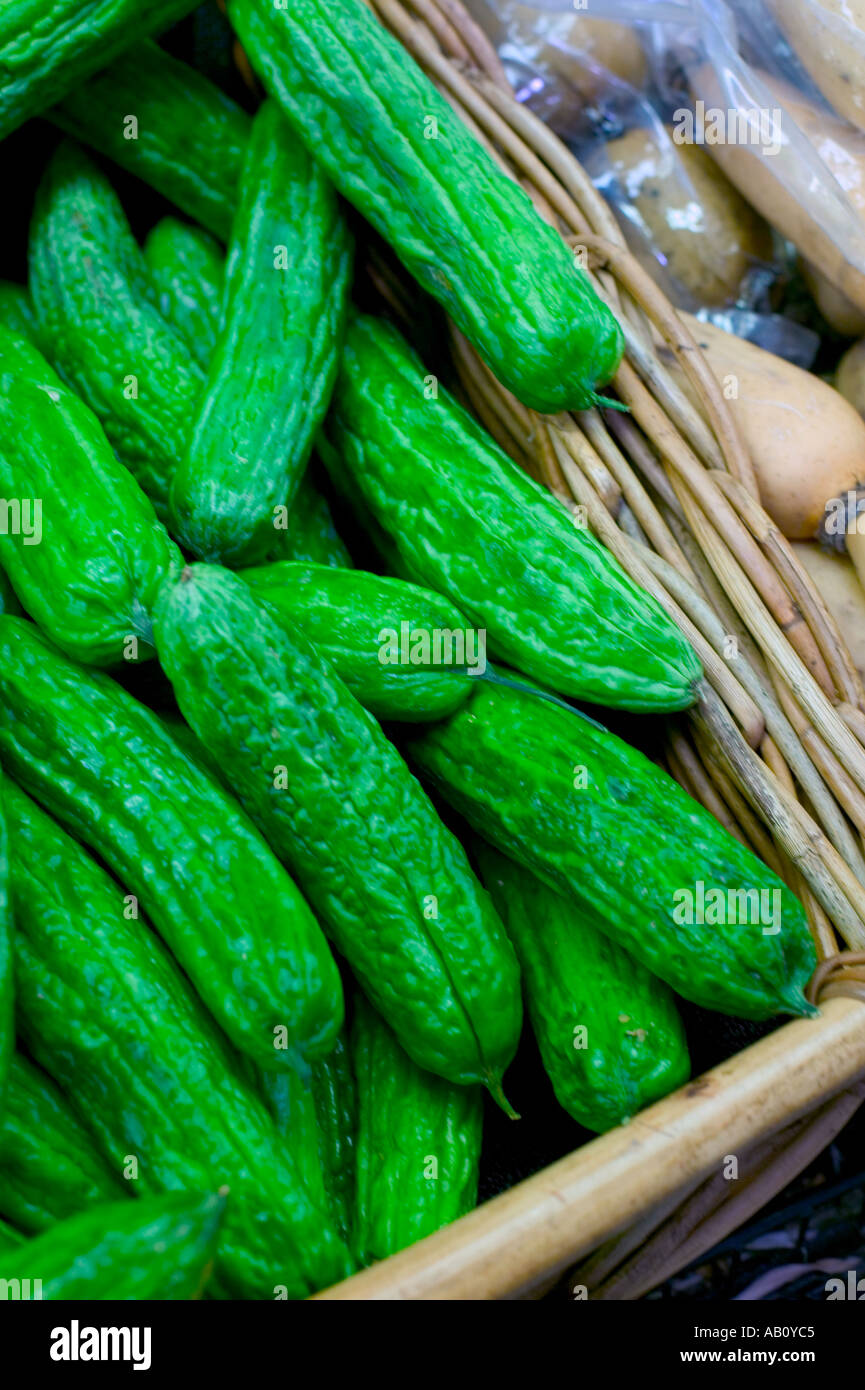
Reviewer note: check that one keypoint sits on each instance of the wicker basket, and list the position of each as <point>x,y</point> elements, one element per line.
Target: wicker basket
<point>775,750</point>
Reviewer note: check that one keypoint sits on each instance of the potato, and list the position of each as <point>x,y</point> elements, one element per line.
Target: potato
<point>806,442</point>
<point>829,39</point>
<point>842,150</point>
<point>704,229</point>
<point>836,580</point>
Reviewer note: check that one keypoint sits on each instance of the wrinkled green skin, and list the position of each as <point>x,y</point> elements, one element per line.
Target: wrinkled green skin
<point>349,821</point>
<point>622,846</point>
<point>575,977</point>
<point>105,766</point>
<point>160,1248</point>
<point>92,580</point>
<point>276,358</point>
<point>191,141</point>
<point>185,265</point>
<point>310,536</point>
<point>8,598</point>
<point>317,1116</point>
<point>7,963</point>
<point>187,269</point>
<point>17,314</point>
<point>50,1165</point>
<point>466,232</point>
<point>93,298</point>
<point>344,613</point>
<point>48,47</point>
<point>459,516</point>
<point>408,1118</point>
<point>10,1239</point>
<point>130,1045</point>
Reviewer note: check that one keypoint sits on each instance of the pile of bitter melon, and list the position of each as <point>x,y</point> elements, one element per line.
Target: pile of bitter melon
<point>197,897</point>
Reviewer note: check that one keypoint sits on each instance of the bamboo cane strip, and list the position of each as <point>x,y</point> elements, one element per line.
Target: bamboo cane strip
<point>694,778</point>
<point>832,883</point>
<point>632,442</point>
<point>754,830</point>
<point>719,1206</point>
<point>773,642</point>
<point>480,47</point>
<point>847,793</point>
<point>638,499</point>
<point>821,928</point>
<point>731,541</point>
<point>683,344</point>
<point>854,719</point>
<point>745,710</point>
<point>542,1225</point>
<point>441,27</point>
<point>839,663</point>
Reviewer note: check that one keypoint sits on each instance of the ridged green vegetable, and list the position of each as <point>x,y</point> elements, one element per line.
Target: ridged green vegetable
<point>594,818</point>
<point>50,1165</point>
<point>47,47</point>
<point>105,766</point>
<point>190,139</point>
<point>7,963</point>
<point>470,235</point>
<point>418,1145</point>
<point>186,265</point>
<point>10,1239</point>
<point>609,1032</point>
<point>89,571</point>
<point>389,883</point>
<point>105,1010</point>
<point>457,515</point>
<point>92,293</point>
<point>308,535</point>
<point>8,598</point>
<point>161,1248</point>
<point>287,280</point>
<point>17,314</point>
<point>187,270</point>
<point>367,627</point>
<point>317,1117</point>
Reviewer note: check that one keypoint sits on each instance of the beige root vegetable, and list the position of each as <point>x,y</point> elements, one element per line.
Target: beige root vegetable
<point>707,233</point>
<point>806,441</point>
<point>829,39</point>
<point>841,148</point>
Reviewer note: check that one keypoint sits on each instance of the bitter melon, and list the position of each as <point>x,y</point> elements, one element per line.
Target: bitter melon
<point>402,651</point>
<point>165,122</point>
<point>452,512</point>
<point>160,1248</point>
<point>185,265</point>
<point>390,884</point>
<point>50,1165</point>
<point>595,819</point>
<point>105,766</point>
<point>92,293</point>
<point>469,234</point>
<point>273,369</point>
<point>418,1144</point>
<point>92,555</point>
<point>609,1032</point>
<point>105,1010</point>
<point>47,47</point>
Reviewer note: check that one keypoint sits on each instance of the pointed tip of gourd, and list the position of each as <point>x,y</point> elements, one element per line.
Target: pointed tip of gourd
<point>494,1086</point>
<point>797,1004</point>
